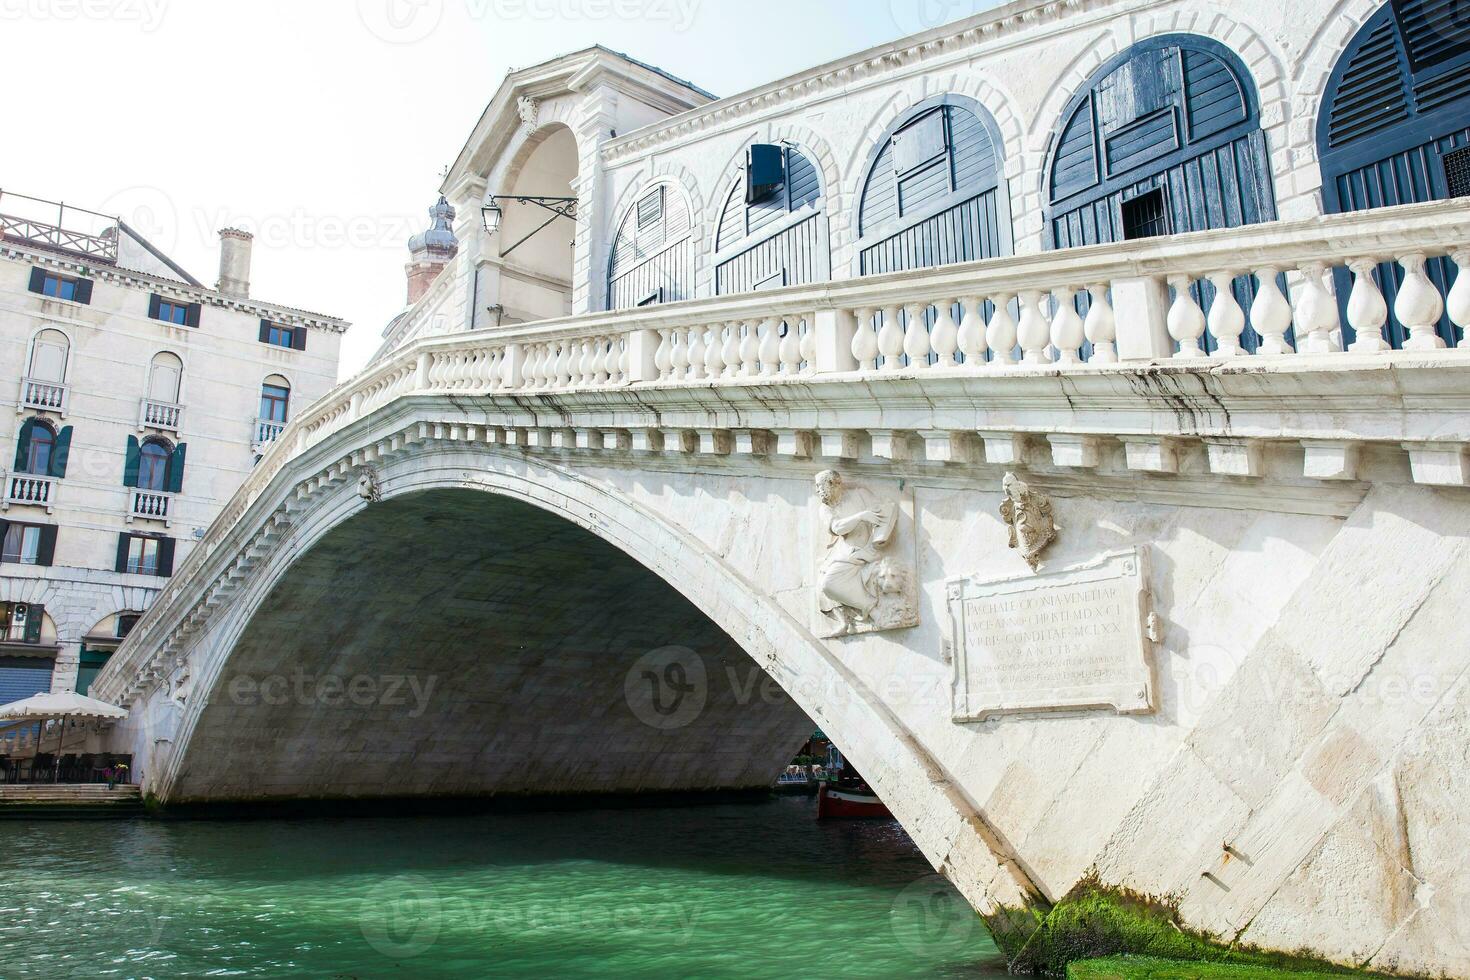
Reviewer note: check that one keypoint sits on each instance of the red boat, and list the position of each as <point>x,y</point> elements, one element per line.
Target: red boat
<point>846,795</point>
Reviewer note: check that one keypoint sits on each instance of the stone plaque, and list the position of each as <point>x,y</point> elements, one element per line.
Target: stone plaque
<point>1069,639</point>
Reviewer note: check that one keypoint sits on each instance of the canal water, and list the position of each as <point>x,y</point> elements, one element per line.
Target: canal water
<point>732,890</point>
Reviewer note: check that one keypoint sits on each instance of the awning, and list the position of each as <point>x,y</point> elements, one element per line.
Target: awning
<point>67,704</point>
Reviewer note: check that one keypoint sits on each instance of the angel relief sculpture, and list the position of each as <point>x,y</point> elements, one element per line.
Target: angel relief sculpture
<point>863,585</point>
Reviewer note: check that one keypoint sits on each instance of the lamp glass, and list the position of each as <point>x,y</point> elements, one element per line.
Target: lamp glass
<point>492,215</point>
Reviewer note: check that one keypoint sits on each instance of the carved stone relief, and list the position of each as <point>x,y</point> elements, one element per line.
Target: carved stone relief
<point>1028,514</point>
<point>866,577</point>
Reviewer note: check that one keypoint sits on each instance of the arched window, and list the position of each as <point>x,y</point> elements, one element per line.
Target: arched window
<point>153,465</point>
<point>653,253</point>
<point>275,398</point>
<point>1165,138</point>
<point>933,194</point>
<point>164,377</point>
<point>48,356</point>
<point>1394,126</point>
<point>36,449</point>
<point>771,231</point>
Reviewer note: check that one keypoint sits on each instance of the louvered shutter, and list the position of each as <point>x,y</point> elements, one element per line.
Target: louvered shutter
<point>165,557</point>
<point>132,462</point>
<point>60,452</point>
<point>46,550</point>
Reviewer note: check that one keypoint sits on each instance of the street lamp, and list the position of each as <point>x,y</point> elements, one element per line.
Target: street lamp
<point>493,214</point>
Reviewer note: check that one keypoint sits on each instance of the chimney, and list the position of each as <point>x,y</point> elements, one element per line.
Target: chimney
<point>431,251</point>
<point>234,262</point>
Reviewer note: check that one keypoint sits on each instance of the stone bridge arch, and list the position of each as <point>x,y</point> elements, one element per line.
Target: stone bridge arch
<point>194,728</point>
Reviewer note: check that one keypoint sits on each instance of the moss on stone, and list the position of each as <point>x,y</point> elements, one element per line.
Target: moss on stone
<point>1095,922</point>
<point>1153,968</point>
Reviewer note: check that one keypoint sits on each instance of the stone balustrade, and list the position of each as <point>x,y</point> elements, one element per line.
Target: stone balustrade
<point>150,505</point>
<point>154,414</point>
<point>30,490</point>
<point>43,396</point>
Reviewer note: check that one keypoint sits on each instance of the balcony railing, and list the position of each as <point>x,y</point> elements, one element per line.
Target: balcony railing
<point>42,396</point>
<point>65,232</point>
<point>153,414</point>
<point>30,490</point>
<point>266,432</point>
<point>150,505</point>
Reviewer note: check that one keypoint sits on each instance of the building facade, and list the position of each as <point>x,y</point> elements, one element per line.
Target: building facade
<point>1041,125</point>
<point>142,399</point>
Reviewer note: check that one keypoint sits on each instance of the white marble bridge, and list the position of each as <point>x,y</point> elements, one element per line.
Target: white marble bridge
<point>563,557</point>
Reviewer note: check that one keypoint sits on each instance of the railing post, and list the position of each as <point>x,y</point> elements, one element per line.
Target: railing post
<point>642,354</point>
<point>514,365</point>
<point>421,372</point>
<point>833,332</point>
<point>1141,312</point>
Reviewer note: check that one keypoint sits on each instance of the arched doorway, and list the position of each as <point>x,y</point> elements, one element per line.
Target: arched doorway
<point>535,245</point>
<point>1394,127</point>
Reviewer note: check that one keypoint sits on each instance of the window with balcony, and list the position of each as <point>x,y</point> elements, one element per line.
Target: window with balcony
<point>275,398</point>
<point>27,544</point>
<point>56,286</point>
<point>281,335</point>
<point>49,352</point>
<point>173,311</point>
<point>141,554</point>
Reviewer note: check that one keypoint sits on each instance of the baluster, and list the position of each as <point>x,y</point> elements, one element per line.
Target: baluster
<point>791,346</point>
<point>1458,302</point>
<point>1101,327</point>
<point>970,337</point>
<point>807,343</point>
<point>1316,313</point>
<point>1067,332</point>
<point>1418,306</point>
<point>529,377</point>
<point>714,354</point>
<point>1033,332</point>
<point>1226,319</point>
<point>749,348</point>
<point>1001,332</point>
<point>916,335</point>
<point>624,352</point>
<point>678,354</point>
<point>1271,314</point>
<point>1186,320</point>
<point>890,339</point>
<point>732,349</point>
<point>589,354</point>
<point>563,376</point>
<point>769,348</point>
<point>696,353</point>
<point>865,341</point>
<point>946,336</point>
<point>496,368</point>
<point>547,368</point>
<point>663,357</point>
<point>1367,310</point>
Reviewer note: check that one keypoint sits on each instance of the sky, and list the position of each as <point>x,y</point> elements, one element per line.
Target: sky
<point>323,125</point>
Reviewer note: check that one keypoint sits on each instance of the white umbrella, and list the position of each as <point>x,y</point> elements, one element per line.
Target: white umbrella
<point>67,704</point>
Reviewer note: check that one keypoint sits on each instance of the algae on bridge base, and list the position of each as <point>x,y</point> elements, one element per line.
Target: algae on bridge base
<point>1152,968</point>
<point>1095,922</point>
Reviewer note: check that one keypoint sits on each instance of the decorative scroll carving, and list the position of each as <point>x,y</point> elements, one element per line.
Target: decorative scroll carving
<point>1028,513</point>
<point>866,578</point>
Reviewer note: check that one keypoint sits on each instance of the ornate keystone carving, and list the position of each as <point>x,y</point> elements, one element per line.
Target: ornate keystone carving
<point>529,110</point>
<point>1028,513</point>
<point>367,484</point>
<point>865,581</point>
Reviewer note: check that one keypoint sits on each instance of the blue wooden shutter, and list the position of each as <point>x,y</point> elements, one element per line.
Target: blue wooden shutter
<point>59,453</point>
<point>132,462</point>
<point>765,171</point>
<point>1434,30</point>
<point>23,445</point>
<point>165,557</point>
<point>176,469</point>
<point>46,551</point>
<point>84,291</point>
<point>298,338</point>
<point>265,331</point>
<point>191,314</point>
<point>38,280</point>
<point>155,304</point>
<point>123,540</point>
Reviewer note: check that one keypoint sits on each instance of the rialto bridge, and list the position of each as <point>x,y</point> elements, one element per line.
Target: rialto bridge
<point>590,555</point>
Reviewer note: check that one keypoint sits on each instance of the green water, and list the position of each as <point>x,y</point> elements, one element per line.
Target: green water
<point>741,890</point>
